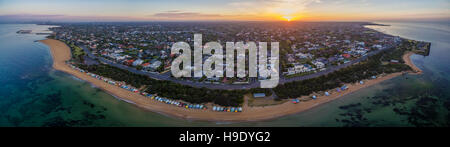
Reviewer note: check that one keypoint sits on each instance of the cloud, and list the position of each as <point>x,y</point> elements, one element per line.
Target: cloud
<point>59,18</point>
<point>28,17</point>
<point>179,14</point>
<point>182,15</point>
<point>283,7</point>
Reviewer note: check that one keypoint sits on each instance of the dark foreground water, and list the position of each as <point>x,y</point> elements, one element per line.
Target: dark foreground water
<point>33,94</point>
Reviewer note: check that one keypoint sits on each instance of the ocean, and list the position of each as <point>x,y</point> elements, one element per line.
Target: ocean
<point>34,94</point>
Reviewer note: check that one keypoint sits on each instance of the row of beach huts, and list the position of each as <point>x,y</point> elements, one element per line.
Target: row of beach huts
<point>227,109</point>
<point>339,89</point>
<point>157,98</point>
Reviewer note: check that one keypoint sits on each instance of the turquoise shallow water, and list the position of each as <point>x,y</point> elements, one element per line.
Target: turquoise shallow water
<point>33,94</point>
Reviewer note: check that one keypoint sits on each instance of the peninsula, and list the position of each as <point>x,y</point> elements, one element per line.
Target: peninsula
<point>61,54</point>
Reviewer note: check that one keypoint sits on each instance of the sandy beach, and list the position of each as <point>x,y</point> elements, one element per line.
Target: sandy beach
<point>408,62</point>
<point>61,53</point>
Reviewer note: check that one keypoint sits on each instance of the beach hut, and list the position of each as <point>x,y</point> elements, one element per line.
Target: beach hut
<point>327,94</point>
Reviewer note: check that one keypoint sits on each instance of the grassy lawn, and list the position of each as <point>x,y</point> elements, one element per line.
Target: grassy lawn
<point>264,101</point>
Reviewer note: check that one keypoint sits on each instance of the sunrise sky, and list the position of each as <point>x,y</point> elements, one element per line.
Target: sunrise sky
<point>223,10</point>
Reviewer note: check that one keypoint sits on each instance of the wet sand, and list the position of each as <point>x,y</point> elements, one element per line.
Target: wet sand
<point>61,53</point>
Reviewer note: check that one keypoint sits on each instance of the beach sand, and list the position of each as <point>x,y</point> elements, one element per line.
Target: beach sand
<point>407,59</point>
<point>61,53</point>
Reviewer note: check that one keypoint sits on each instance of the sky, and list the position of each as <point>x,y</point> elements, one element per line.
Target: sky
<point>223,10</point>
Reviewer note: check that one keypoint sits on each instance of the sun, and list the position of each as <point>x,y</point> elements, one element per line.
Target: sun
<point>288,18</point>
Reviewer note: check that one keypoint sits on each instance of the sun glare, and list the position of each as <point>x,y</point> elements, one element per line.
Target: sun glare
<point>288,18</point>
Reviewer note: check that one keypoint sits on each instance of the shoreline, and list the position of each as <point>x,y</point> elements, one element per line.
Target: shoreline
<point>60,53</point>
<point>407,58</point>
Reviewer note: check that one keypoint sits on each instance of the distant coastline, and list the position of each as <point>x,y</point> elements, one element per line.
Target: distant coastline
<point>375,24</point>
<point>61,53</point>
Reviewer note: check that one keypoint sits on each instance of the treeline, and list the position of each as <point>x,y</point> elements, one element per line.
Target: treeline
<point>168,89</point>
<point>370,67</point>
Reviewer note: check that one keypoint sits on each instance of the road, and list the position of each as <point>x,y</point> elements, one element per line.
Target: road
<point>167,76</point>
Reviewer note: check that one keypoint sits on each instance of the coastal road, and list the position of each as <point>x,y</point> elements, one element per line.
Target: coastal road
<point>167,76</point>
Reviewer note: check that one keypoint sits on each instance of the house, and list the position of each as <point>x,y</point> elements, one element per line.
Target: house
<point>300,68</point>
<point>302,56</point>
<point>290,58</point>
<point>155,64</point>
<point>319,64</point>
<point>146,65</point>
<point>377,46</point>
<point>360,43</point>
<point>332,59</point>
<point>346,55</point>
<point>138,62</point>
<point>291,71</point>
<point>129,62</point>
<point>118,57</point>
